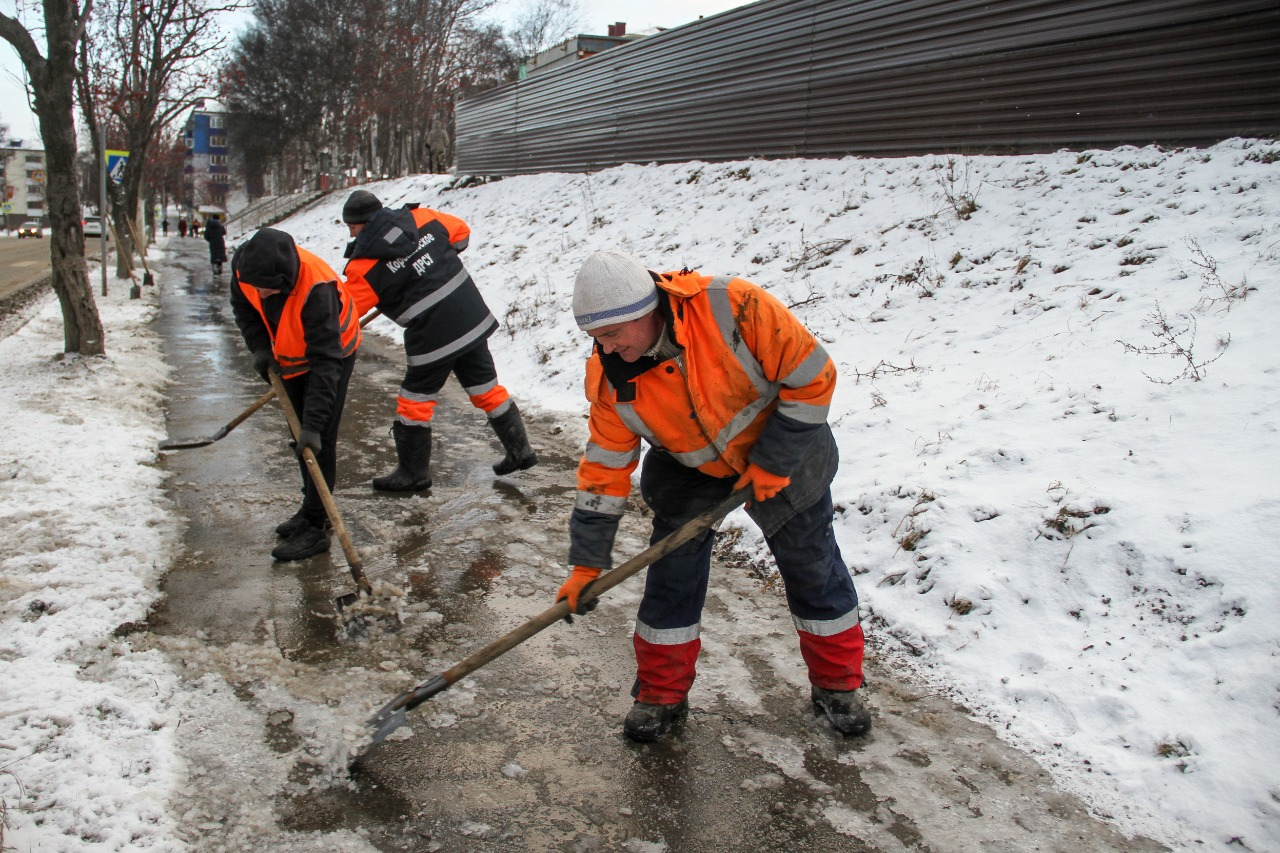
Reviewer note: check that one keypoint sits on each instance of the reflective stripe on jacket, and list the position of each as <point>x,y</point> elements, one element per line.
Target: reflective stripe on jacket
<point>751,384</point>
<point>406,263</point>
<point>288,338</point>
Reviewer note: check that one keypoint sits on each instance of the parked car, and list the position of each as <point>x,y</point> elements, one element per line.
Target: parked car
<point>92,226</point>
<point>30,229</point>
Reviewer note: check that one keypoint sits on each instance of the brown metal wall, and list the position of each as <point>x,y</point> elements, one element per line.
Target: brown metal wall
<point>806,78</point>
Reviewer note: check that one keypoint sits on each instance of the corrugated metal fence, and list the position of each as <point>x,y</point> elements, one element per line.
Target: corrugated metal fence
<point>807,78</point>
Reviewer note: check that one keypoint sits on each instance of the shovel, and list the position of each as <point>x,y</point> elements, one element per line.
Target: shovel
<point>146,278</point>
<point>331,509</point>
<point>135,292</point>
<point>184,443</point>
<point>393,714</point>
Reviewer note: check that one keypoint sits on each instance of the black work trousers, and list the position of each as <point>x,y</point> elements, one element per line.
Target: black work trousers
<point>296,388</point>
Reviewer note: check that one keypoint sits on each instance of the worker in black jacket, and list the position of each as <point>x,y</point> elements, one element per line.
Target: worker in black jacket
<point>405,262</point>
<point>298,319</point>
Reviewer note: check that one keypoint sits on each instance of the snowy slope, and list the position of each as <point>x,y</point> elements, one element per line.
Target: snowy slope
<point>1072,536</point>
<point>1050,517</point>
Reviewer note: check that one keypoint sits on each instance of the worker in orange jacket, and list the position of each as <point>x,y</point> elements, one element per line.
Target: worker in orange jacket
<point>297,318</point>
<point>406,263</point>
<point>729,390</point>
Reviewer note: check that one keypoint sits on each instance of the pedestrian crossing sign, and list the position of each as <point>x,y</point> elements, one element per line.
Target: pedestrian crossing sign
<point>115,164</point>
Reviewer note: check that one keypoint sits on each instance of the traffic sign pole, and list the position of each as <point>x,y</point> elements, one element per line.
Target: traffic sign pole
<point>102,204</point>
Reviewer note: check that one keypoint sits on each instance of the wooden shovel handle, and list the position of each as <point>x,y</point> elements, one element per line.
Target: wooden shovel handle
<point>317,477</point>
<point>695,527</point>
<point>243,416</point>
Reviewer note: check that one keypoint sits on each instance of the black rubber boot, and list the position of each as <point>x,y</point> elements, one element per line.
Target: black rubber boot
<point>413,450</point>
<point>293,526</point>
<point>305,543</point>
<point>647,723</point>
<point>510,430</point>
<point>844,709</point>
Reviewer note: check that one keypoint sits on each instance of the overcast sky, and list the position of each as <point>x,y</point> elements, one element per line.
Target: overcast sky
<point>598,14</point>
<point>596,17</point>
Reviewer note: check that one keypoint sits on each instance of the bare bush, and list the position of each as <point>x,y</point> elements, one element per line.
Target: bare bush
<point>1069,522</point>
<point>1215,293</point>
<point>908,533</point>
<point>883,368</point>
<point>922,275</point>
<point>4,805</point>
<point>533,306</point>
<point>954,183</point>
<point>812,255</point>
<point>1176,342</point>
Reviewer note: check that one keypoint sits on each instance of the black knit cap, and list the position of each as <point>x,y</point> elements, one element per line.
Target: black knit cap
<point>268,260</point>
<point>360,207</point>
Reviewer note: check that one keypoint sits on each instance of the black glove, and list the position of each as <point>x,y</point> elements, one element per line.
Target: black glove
<point>263,361</point>
<point>308,438</point>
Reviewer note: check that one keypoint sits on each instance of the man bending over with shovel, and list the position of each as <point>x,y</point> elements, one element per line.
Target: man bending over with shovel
<point>298,319</point>
<point>405,262</point>
<point>730,391</point>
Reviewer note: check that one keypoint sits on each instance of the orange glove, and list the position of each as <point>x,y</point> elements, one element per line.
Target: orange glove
<point>579,579</point>
<point>763,484</point>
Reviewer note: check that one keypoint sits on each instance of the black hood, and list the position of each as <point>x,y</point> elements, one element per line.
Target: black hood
<point>269,259</point>
<point>389,234</point>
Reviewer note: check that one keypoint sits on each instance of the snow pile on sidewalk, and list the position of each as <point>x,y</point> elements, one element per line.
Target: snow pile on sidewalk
<point>1058,414</point>
<point>85,734</point>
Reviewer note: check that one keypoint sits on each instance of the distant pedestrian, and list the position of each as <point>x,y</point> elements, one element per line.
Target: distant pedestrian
<point>195,227</point>
<point>182,227</point>
<point>215,235</point>
<point>406,263</point>
<point>164,226</point>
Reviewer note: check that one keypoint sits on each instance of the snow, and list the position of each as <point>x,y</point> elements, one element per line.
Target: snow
<point>1049,517</point>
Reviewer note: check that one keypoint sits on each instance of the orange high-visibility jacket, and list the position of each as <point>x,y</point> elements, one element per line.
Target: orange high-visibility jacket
<point>751,385</point>
<point>288,339</point>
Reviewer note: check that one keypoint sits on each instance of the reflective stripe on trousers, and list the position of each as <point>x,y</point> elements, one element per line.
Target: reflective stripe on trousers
<point>819,591</point>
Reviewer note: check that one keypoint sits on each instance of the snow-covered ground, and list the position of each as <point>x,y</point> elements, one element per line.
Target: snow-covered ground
<point>1058,418</point>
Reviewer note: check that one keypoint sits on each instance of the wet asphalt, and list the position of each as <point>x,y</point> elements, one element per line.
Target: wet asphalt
<point>527,753</point>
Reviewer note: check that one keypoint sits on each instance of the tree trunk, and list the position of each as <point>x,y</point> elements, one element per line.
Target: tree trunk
<point>82,328</point>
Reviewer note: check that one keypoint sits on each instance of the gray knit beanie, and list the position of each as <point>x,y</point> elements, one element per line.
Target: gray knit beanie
<point>612,287</point>
<point>360,207</point>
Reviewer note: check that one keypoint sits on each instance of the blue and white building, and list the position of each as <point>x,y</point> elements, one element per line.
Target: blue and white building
<point>207,174</point>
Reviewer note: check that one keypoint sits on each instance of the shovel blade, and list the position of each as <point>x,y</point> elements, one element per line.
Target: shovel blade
<point>342,602</point>
<point>184,443</point>
<point>384,724</point>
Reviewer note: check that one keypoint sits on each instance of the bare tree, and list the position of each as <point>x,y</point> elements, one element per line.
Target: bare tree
<point>385,109</point>
<point>162,175</point>
<point>286,90</point>
<point>52,80</point>
<point>541,24</point>
<point>144,63</point>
